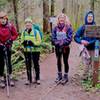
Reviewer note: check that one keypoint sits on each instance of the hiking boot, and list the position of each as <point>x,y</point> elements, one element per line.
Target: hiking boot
<point>27,83</point>
<point>11,81</point>
<point>2,82</point>
<point>65,79</point>
<point>38,82</point>
<point>59,78</point>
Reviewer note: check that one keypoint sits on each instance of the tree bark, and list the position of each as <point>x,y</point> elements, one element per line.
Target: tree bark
<point>52,7</point>
<point>92,3</point>
<point>45,15</point>
<point>65,3</point>
<point>16,14</point>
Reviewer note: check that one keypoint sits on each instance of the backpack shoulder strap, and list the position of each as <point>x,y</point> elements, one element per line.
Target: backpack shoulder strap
<point>9,26</point>
<point>35,32</point>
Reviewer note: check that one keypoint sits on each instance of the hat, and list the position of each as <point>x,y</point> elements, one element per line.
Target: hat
<point>3,14</point>
<point>28,20</point>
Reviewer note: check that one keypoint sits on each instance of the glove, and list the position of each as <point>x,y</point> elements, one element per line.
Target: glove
<point>30,43</point>
<point>9,42</point>
<point>25,43</point>
<point>28,30</point>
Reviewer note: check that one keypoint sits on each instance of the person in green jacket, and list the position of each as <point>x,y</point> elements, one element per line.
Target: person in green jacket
<point>31,41</point>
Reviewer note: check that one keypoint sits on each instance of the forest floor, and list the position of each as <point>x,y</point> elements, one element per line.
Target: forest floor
<point>48,90</point>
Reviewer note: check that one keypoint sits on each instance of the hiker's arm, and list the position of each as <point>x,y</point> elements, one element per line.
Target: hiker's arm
<point>22,37</point>
<point>14,33</point>
<point>38,40</point>
<point>78,35</point>
<point>68,40</point>
<point>54,39</point>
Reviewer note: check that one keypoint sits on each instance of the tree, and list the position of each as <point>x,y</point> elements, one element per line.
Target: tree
<point>14,3</point>
<point>92,4</point>
<point>2,3</point>
<point>52,7</point>
<point>15,13</point>
<point>65,3</point>
<point>45,15</point>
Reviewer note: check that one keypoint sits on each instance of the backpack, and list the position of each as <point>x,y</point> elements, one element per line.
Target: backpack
<point>37,27</point>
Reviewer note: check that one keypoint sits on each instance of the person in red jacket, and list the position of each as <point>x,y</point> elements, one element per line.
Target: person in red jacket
<point>8,34</point>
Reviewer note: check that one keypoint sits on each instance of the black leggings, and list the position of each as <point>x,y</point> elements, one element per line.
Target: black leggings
<point>35,58</point>
<point>2,60</point>
<point>65,53</point>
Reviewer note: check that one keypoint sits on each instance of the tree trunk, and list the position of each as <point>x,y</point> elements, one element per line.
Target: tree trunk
<point>15,14</point>
<point>92,5</point>
<point>52,7</point>
<point>45,15</point>
<point>65,3</point>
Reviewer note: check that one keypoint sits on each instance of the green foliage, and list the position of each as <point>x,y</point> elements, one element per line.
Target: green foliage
<point>17,56</point>
<point>47,38</point>
<point>88,85</point>
<point>2,3</point>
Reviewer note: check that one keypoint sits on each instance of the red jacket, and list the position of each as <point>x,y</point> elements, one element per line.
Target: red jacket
<point>7,32</point>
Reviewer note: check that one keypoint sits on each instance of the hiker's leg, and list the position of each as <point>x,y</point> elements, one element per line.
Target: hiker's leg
<point>36,57</point>
<point>66,52</point>
<point>2,83</point>
<point>1,61</point>
<point>9,60</point>
<point>10,66</point>
<point>28,65</point>
<point>59,64</point>
<point>59,57</point>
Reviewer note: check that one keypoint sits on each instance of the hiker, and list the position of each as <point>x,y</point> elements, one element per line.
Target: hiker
<point>88,43</point>
<point>8,34</point>
<point>31,40</point>
<point>61,39</point>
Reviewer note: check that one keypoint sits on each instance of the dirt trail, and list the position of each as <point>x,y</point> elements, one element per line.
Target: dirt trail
<point>47,90</point>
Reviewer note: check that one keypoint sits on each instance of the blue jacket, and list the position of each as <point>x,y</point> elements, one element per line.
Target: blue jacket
<point>80,33</point>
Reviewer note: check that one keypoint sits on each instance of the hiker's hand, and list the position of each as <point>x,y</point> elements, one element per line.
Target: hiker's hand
<point>25,43</point>
<point>30,43</point>
<point>84,42</point>
<point>9,42</point>
<point>57,43</point>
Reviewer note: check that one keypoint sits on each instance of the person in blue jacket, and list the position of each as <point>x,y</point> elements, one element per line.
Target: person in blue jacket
<point>89,43</point>
<point>61,39</point>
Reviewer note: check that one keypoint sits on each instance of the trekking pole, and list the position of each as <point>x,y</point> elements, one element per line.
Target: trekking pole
<point>29,73</point>
<point>32,65</point>
<point>7,71</point>
<point>49,91</point>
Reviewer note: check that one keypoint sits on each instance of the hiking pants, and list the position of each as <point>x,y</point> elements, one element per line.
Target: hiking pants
<point>29,58</point>
<point>2,60</point>
<point>65,53</point>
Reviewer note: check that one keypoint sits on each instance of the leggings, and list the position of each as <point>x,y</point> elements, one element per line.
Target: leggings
<point>65,53</point>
